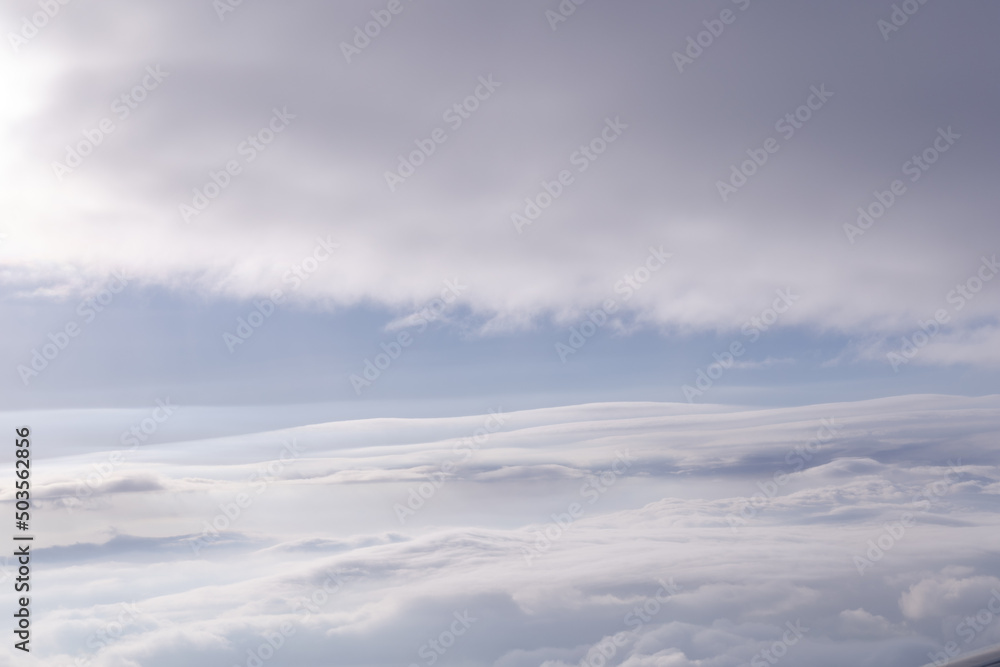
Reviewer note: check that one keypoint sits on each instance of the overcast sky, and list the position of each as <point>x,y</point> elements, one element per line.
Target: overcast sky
<point>205,88</point>
<point>330,216</point>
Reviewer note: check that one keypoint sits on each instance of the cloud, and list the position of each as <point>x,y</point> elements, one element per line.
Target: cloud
<point>937,596</point>
<point>323,176</point>
<point>711,502</point>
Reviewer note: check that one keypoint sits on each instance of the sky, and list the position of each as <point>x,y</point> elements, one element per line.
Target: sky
<point>365,225</point>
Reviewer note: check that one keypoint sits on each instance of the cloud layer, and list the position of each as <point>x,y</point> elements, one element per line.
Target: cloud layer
<point>888,99</point>
<point>668,534</point>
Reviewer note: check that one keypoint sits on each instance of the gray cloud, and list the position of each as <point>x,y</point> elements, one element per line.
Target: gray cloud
<point>324,174</point>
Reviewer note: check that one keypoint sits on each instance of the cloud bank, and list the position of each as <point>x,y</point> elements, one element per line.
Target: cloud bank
<point>861,160</point>
<point>669,534</point>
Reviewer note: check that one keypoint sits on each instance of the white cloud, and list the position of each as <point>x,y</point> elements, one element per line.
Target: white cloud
<point>668,517</point>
